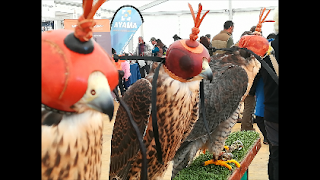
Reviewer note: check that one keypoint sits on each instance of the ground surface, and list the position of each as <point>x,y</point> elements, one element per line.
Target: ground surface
<point>258,169</point>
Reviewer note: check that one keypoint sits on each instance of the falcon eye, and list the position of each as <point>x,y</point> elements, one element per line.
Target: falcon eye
<point>93,92</point>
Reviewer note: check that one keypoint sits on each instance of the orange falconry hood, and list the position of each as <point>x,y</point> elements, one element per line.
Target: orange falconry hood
<point>256,43</point>
<point>67,60</point>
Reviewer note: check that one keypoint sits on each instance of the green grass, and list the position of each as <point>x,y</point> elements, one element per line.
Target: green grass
<point>198,172</point>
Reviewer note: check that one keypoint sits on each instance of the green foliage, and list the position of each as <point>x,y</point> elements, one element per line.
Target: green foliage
<point>213,172</point>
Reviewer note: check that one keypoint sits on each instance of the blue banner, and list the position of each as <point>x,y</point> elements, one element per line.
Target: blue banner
<point>124,24</point>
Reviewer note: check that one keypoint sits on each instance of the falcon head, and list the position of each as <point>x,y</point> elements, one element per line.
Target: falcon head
<point>187,59</point>
<point>188,62</point>
<point>76,75</point>
<point>255,43</point>
<point>97,96</point>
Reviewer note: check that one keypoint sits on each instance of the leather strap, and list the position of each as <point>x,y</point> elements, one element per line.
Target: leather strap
<point>154,113</point>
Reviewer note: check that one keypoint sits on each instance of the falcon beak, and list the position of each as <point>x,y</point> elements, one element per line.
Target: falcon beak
<point>103,103</point>
<point>206,72</point>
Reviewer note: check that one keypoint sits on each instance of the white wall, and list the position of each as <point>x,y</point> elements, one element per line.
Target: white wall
<point>243,21</point>
<point>165,26</point>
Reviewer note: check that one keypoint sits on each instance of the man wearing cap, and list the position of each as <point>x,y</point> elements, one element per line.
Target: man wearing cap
<point>155,49</point>
<point>153,41</point>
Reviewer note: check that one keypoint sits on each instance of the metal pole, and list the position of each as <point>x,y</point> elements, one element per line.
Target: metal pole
<point>141,28</point>
<point>130,47</point>
<point>230,10</point>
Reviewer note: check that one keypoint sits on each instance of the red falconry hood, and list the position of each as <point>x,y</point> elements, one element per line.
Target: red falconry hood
<point>184,57</point>
<point>68,58</point>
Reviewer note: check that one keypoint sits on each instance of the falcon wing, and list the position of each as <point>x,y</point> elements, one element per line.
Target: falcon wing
<point>222,96</point>
<point>124,144</point>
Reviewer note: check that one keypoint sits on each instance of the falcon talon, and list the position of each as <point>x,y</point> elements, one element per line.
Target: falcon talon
<point>218,163</point>
<point>222,163</point>
<point>226,156</point>
<point>235,162</point>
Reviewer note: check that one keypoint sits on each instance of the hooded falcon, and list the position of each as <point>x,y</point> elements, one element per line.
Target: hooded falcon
<point>233,73</point>
<point>177,109</point>
<point>76,84</point>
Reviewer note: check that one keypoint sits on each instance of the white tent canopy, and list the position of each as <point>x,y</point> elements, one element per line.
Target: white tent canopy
<point>164,18</point>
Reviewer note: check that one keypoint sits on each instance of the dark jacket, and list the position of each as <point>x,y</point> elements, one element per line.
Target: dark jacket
<point>271,95</point>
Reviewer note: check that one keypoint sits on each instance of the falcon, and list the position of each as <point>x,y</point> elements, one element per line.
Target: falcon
<point>233,73</point>
<point>76,82</point>
<point>71,143</point>
<point>177,105</point>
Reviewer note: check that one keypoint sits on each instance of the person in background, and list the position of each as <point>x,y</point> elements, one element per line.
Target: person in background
<point>244,33</point>
<point>143,49</point>
<point>259,112</point>
<point>117,63</point>
<point>162,48</point>
<point>176,37</point>
<point>271,37</point>
<point>208,36</point>
<point>156,51</point>
<point>126,69</point>
<point>253,28</point>
<point>224,38</point>
<point>204,41</point>
<point>153,41</point>
<point>135,72</point>
<point>271,106</point>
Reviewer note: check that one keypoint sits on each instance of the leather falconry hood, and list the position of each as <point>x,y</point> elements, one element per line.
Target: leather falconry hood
<point>256,43</point>
<point>68,58</point>
<point>187,53</point>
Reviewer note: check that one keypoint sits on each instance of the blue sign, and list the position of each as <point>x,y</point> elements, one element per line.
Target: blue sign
<point>124,24</point>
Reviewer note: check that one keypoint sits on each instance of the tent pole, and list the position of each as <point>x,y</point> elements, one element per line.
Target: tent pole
<point>230,10</point>
<point>141,28</point>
